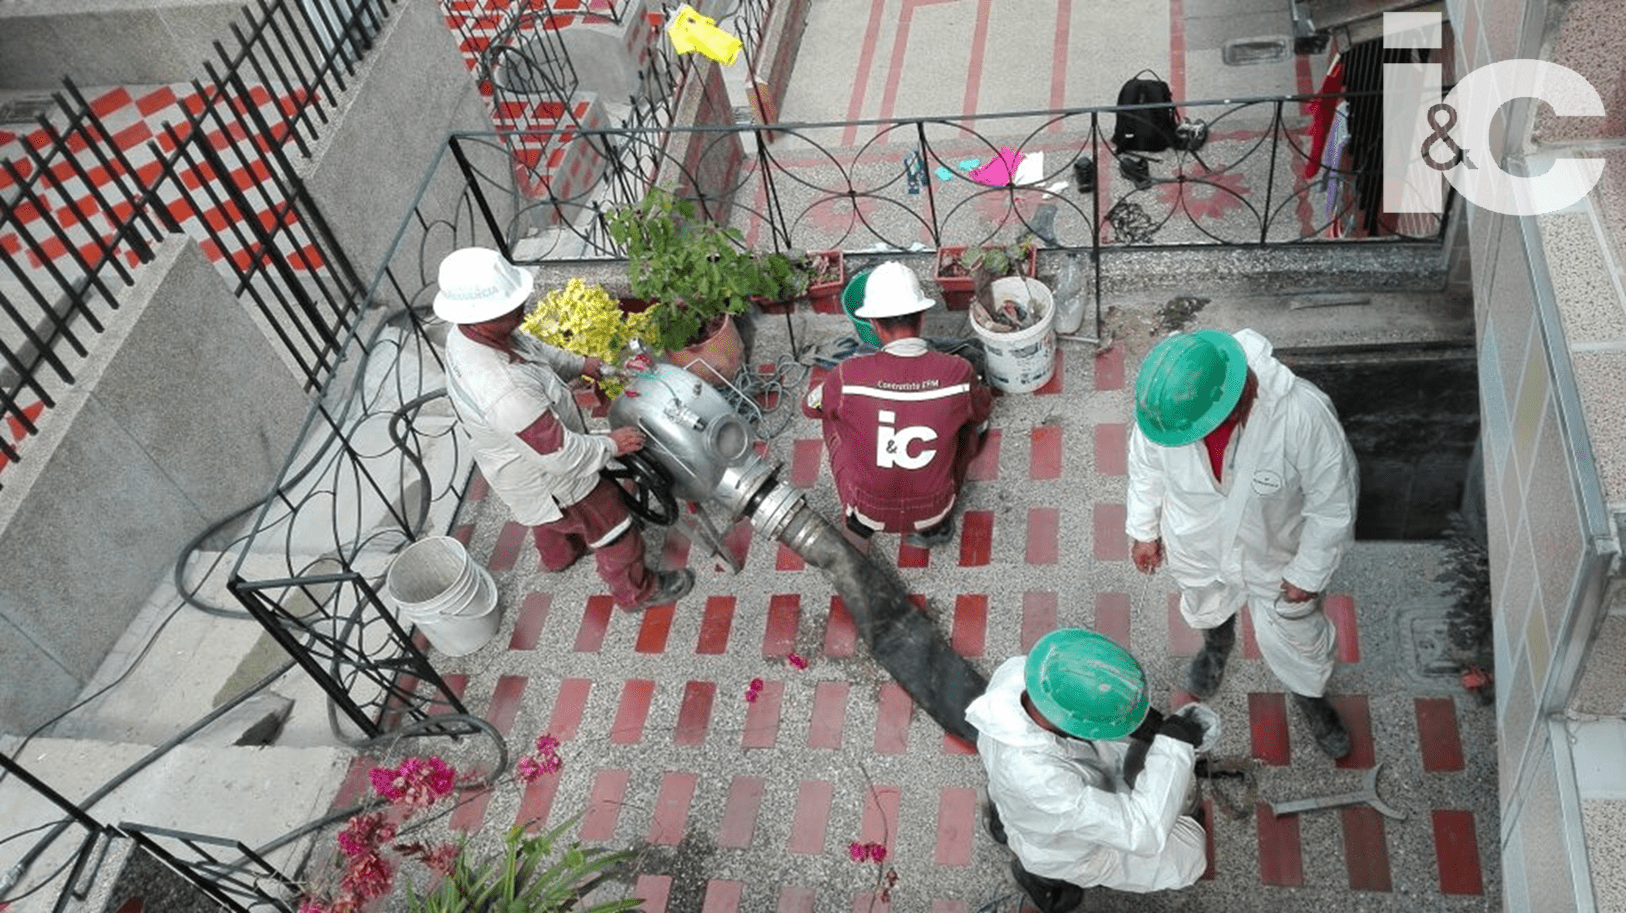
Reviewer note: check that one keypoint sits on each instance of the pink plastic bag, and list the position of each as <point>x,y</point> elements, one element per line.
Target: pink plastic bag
<point>997,173</point>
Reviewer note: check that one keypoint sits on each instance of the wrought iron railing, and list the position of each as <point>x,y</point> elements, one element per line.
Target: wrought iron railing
<point>83,203</point>
<point>71,873</point>
<point>226,871</point>
<point>918,184</point>
<point>376,466</point>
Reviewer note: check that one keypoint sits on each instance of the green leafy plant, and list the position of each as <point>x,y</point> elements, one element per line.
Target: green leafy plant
<point>534,874</point>
<point>521,873</point>
<point>997,260</point>
<point>820,268</point>
<point>1466,573</point>
<point>694,269</point>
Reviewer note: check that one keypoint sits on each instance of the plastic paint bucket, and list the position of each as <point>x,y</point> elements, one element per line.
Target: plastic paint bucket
<point>1019,361</point>
<point>437,586</point>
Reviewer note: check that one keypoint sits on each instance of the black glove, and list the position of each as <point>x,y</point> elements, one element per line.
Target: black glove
<point>1183,728</point>
<point>1147,730</point>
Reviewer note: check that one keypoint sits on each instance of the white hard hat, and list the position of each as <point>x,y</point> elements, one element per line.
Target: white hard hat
<point>477,284</point>
<point>892,290</point>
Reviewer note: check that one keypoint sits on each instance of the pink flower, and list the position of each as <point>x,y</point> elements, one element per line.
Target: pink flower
<point>877,852</point>
<point>795,659</point>
<point>754,690</point>
<point>417,783</point>
<point>308,905</point>
<point>546,743</point>
<point>384,782</point>
<point>857,851</point>
<point>364,834</point>
<point>370,876</point>
<point>551,764</point>
<point>528,769</point>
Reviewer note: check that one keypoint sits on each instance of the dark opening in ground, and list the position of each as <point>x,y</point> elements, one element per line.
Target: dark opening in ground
<point>1412,415</point>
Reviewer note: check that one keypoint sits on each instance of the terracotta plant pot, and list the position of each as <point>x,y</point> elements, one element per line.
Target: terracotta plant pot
<point>717,357</point>
<point>953,280</point>
<point>959,287</point>
<point>769,306</point>
<point>825,297</point>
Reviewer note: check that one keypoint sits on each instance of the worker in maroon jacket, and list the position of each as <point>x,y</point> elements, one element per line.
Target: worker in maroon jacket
<point>901,424</point>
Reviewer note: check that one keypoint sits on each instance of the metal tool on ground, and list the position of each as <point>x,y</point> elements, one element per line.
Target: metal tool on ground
<point>1367,794</point>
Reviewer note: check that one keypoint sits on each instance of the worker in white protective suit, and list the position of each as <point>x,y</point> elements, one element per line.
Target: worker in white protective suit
<point>1242,482</point>
<point>1088,784</point>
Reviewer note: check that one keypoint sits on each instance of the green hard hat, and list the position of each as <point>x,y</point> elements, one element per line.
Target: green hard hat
<point>1086,684</point>
<point>1187,385</point>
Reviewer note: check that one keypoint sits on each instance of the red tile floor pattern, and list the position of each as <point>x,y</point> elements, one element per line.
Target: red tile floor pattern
<point>795,709</point>
<point>705,715</point>
<point>538,133</point>
<point>132,122</point>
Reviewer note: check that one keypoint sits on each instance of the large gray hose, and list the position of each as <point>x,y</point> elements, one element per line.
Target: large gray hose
<point>901,637</point>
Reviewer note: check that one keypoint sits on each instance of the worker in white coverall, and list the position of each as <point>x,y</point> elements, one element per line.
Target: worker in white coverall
<point>1242,482</point>
<point>508,389</point>
<point>1088,784</point>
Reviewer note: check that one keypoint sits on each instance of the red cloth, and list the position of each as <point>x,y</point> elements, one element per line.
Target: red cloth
<point>620,561</point>
<point>1321,114</point>
<point>545,435</point>
<point>901,428</point>
<point>1215,442</point>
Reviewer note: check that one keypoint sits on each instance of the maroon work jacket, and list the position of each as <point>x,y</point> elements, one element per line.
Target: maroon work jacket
<point>901,428</point>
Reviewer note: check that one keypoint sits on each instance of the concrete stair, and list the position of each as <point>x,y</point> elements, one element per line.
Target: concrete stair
<point>174,665</point>
<point>249,794</point>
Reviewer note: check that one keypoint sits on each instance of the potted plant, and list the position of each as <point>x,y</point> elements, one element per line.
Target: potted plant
<point>534,872</point>
<point>826,273</point>
<point>962,273</point>
<point>699,276</point>
<point>584,319</point>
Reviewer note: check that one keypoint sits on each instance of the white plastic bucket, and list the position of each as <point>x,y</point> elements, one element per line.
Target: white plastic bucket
<point>1020,361</point>
<point>438,587</point>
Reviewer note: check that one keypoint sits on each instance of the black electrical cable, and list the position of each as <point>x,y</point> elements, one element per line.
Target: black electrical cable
<point>16,755</point>
<point>188,597</point>
<point>141,763</point>
<point>188,593</point>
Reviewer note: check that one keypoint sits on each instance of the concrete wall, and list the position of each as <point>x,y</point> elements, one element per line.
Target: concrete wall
<point>182,418</point>
<point>411,93</point>
<point>109,42</point>
<point>1552,344</point>
<point>776,59</point>
<point>699,163</point>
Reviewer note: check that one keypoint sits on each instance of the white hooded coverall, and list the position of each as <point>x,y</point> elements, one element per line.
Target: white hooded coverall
<point>1284,510</point>
<point>1067,811</point>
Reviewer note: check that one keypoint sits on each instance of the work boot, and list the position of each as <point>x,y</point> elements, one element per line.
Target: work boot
<point>929,538</point>
<point>670,586</point>
<point>1084,175</point>
<point>996,827</point>
<point>1330,734</point>
<point>1050,895</point>
<point>1137,170</point>
<point>1208,666</point>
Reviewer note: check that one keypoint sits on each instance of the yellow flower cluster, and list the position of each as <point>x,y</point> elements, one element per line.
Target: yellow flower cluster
<point>583,318</point>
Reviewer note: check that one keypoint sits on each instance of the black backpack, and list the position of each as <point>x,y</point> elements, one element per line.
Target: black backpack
<point>1148,130</point>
